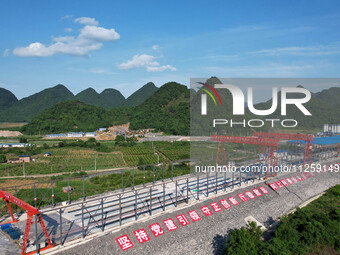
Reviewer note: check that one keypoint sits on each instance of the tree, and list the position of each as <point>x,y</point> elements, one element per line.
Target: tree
<point>2,158</point>
<point>23,140</point>
<point>140,163</point>
<point>246,240</point>
<point>91,140</point>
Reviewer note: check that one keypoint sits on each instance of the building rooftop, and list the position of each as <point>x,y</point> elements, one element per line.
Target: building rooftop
<point>321,140</point>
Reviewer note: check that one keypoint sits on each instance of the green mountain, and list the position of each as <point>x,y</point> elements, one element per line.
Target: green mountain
<point>29,107</point>
<point>213,80</point>
<point>109,98</point>
<point>167,109</point>
<point>141,95</point>
<point>12,109</point>
<point>70,116</point>
<point>7,98</point>
<point>88,96</point>
<point>323,111</point>
<point>330,96</point>
<point>112,98</point>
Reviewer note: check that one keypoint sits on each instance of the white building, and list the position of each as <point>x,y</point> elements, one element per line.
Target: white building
<point>75,134</point>
<point>331,128</point>
<point>90,134</point>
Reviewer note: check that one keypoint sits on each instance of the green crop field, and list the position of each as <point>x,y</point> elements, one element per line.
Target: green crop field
<point>174,151</point>
<point>64,160</point>
<point>76,159</point>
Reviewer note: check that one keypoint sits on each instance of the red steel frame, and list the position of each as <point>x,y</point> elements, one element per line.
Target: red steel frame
<point>31,211</point>
<point>307,138</point>
<point>272,145</point>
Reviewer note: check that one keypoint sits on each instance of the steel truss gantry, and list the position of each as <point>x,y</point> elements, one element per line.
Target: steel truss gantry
<point>31,212</point>
<point>268,143</point>
<point>307,138</point>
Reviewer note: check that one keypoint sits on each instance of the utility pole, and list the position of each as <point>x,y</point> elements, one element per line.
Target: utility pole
<point>95,163</point>
<point>23,168</point>
<point>157,158</point>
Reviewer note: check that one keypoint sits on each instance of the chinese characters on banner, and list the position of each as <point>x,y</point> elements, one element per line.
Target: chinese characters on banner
<point>124,242</point>
<point>249,194</point>
<point>242,197</point>
<point>225,204</point>
<point>205,209</point>
<point>289,180</point>
<point>257,192</point>
<point>284,182</point>
<point>233,201</point>
<point>273,186</point>
<point>279,184</point>
<point>216,207</point>
<point>170,224</point>
<point>156,229</point>
<point>141,235</point>
<point>182,219</point>
<point>264,190</point>
<point>194,216</point>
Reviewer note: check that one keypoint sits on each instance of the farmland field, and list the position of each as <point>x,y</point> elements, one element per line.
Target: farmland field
<point>80,159</point>
<point>174,151</point>
<point>64,160</point>
<point>133,154</point>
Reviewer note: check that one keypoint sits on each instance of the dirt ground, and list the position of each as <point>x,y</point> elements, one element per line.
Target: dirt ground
<point>6,133</point>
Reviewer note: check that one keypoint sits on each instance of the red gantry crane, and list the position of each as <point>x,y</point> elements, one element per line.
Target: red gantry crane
<point>31,211</point>
<point>272,145</point>
<point>307,138</point>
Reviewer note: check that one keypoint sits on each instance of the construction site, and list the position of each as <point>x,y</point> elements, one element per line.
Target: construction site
<point>158,212</point>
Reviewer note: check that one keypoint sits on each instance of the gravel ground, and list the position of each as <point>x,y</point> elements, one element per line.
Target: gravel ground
<point>206,236</point>
<point>7,247</point>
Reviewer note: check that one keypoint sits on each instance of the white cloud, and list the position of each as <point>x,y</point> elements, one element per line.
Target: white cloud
<point>34,49</point>
<point>160,68</point>
<point>6,53</point>
<point>146,61</point>
<point>99,33</point>
<point>68,29</point>
<point>87,21</point>
<point>301,51</point>
<point>90,38</point>
<point>143,60</point>
<point>155,47</point>
<point>66,17</point>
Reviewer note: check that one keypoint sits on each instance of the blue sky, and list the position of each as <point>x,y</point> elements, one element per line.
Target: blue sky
<point>125,44</point>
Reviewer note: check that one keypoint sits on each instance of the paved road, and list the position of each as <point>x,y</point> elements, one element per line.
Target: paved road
<point>89,172</point>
